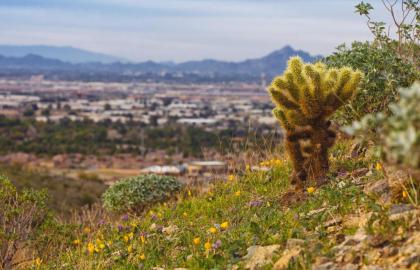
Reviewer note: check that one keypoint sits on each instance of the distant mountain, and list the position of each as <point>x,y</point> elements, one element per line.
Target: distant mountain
<point>65,54</point>
<point>272,64</point>
<point>205,70</point>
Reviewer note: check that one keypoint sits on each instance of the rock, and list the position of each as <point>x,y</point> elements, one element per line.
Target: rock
<point>350,267</point>
<point>293,242</point>
<point>380,189</point>
<point>389,252</point>
<point>359,172</point>
<point>371,267</point>
<point>400,208</point>
<point>333,222</point>
<point>379,241</point>
<point>356,221</point>
<point>170,229</point>
<point>153,227</point>
<point>326,266</point>
<point>340,238</point>
<point>288,256</point>
<point>258,256</point>
<point>403,211</point>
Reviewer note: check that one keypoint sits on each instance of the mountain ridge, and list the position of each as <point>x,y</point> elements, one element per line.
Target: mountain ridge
<point>64,53</point>
<point>249,69</point>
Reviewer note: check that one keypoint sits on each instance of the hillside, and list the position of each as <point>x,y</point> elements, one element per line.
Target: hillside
<point>255,220</point>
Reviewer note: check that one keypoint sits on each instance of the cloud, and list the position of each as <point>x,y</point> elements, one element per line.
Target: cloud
<point>182,29</point>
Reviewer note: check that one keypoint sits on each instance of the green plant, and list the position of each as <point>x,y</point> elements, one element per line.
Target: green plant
<point>398,134</point>
<point>404,24</point>
<point>306,95</point>
<point>20,215</point>
<point>135,193</point>
<point>384,72</point>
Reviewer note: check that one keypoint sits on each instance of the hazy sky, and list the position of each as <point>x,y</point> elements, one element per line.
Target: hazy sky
<point>183,29</point>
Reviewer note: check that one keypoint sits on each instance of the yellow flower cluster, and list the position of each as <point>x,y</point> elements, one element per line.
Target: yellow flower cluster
<point>231,177</point>
<point>310,190</point>
<point>271,163</point>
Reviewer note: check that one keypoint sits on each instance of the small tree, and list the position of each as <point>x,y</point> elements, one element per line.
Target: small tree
<point>306,95</point>
<point>403,33</point>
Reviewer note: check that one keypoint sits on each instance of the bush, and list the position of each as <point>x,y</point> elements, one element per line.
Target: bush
<point>135,193</point>
<point>21,214</point>
<point>398,134</point>
<point>384,73</point>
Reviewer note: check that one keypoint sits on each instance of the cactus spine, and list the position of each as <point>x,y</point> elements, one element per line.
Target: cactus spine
<point>306,95</point>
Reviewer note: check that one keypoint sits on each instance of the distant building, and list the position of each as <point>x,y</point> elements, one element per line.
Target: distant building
<point>164,170</point>
<point>202,167</point>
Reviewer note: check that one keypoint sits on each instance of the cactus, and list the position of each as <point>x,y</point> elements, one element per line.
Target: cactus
<point>306,95</point>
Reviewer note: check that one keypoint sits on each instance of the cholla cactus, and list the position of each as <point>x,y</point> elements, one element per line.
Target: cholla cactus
<point>305,96</point>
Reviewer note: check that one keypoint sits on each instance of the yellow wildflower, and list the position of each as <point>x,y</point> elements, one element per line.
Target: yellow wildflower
<point>90,248</point>
<point>224,225</point>
<point>126,238</point>
<point>196,241</point>
<point>405,194</point>
<point>268,204</point>
<point>378,166</point>
<point>101,246</point>
<point>185,214</point>
<point>143,239</point>
<point>130,249</point>
<point>207,245</point>
<point>238,193</point>
<point>86,230</point>
<point>76,242</point>
<point>38,262</point>
<point>310,190</point>
<point>231,177</point>
<point>142,257</point>
<point>109,243</point>
<point>213,230</point>
<point>189,193</point>
<point>247,168</point>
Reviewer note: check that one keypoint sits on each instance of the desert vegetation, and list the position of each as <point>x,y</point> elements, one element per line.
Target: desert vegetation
<point>341,193</point>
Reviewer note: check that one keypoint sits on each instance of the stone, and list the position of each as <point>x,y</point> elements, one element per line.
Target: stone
<point>371,267</point>
<point>170,229</point>
<point>350,267</point>
<point>389,252</point>
<point>288,256</point>
<point>258,256</point>
<point>326,266</point>
<point>403,211</point>
<point>333,222</point>
<point>377,188</point>
<point>293,242</point>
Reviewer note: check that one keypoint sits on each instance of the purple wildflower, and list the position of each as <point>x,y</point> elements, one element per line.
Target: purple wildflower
<point>217,244</point>
<point>255,203</point>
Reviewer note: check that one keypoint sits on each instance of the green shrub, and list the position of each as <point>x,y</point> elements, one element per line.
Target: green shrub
<point>135,193</point>
<point>398,134</point>
<point>384,72</point>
